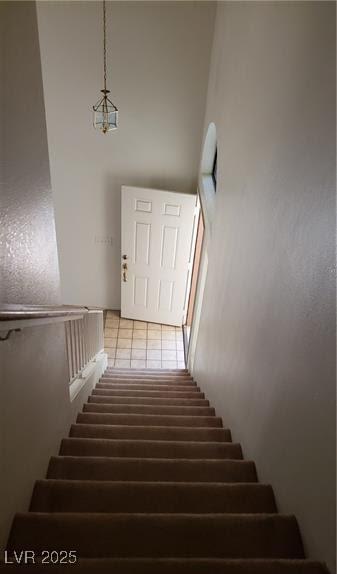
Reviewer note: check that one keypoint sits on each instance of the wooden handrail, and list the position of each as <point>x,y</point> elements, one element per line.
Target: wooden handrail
<point>9,312</point>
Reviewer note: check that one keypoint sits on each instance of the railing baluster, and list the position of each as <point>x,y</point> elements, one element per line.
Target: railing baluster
<point>83,361</point>
<point>68,347</point>
<point>84,340</point>
<point>72,346</point>
<point>77,341</point>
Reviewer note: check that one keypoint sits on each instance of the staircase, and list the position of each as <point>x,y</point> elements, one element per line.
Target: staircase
<point>149,482</point>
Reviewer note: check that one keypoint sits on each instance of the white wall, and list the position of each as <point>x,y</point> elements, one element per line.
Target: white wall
<point>266,346</point>
<point>28,253</point>
<point>158,58</point>
<point>35,410</point>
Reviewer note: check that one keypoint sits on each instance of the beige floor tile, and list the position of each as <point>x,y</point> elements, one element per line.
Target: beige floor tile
<point>153,335</point>
<point>108,342</point>
<point>141,344</point>
<point>125,333</point>
<point>123,354</point>
<point>140,334</point>
<point>154,327</point>
<point>168,328</point>
<point>136,364</point>
<point>168,335</point>
<point>124,344</point>
<point>139,325</point>
<point>125,323</point>
<point>138,354</point>
<point>153,364</point>
<point>169,364</point>
<point>112,333</point>
<point>154,344</point>
<point>111,353</point>
<point>112,324</point>
<point>168,345</point>
<point>124,363</point>
<point>153,355</point>
<point>168,355</point>
<point>112,314</point>
<point>138,343</point>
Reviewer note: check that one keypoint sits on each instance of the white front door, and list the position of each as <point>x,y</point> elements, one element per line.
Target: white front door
<point>157,254</point>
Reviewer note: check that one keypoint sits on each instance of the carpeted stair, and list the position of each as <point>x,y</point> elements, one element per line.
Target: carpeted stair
<point>150,482</point>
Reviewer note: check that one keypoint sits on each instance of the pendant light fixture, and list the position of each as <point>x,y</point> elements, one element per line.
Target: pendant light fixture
<point>105,112</point>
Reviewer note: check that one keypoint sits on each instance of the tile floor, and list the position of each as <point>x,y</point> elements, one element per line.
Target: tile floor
<point>140,345</point>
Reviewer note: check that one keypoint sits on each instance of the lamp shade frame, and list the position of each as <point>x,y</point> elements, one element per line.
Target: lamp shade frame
<point>105,114</point>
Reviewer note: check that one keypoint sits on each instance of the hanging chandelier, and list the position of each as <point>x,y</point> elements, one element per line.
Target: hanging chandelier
<point>105,112</point>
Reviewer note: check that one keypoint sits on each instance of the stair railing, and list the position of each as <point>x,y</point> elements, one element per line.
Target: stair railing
<point>83,330</point>
<point>84,339</point>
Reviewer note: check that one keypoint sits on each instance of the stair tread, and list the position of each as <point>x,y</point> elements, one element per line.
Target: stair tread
<point>179,443</point>
<point>152,469</point>
<point>107,383</point>
<point>131,496</point>
<point>168,406</point>
<point>92,406</point>
<point>154,432</point>
<point>58,483</point>
<point>178,566</point>
<point>154,371</point>
<point>121,386</point>
<point>155,393</point>
<point>145,377</point>
<point>150,448</point>
<point>228,535</point>
<point>100,414</point>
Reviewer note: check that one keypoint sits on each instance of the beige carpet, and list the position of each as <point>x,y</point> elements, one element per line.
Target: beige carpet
<point>150,482</point>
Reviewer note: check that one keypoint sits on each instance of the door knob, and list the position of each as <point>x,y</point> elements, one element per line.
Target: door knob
<point>124,257</point>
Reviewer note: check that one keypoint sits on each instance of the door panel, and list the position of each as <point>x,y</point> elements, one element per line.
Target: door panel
<point>157,231</point>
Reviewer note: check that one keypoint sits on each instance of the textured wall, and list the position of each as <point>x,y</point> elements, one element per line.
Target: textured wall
<point>35,410</point>
<point>28,252</point>
<point>158,61</point>
<point>266,348</point>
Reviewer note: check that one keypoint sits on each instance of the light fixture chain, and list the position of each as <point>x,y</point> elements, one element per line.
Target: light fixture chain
<point>105,112</point>
<point>104,41</point>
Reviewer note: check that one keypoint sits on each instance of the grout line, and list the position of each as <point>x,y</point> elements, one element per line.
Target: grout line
<point>119,322</point>
<point>159,327</point>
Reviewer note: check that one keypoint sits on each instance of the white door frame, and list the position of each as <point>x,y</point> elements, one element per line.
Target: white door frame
<point>201,283</point>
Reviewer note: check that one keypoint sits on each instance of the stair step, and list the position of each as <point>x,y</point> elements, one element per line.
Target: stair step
<point>133,419</point>
<point>150,379</point>
<point>123,492</point>
<point>115,392</point>
<point>134,386</point>
<point>151,497</point>
<point>149,448</point>
<point>163,470</point>
<point>148,401</point>
<point>150,432</point>
<point>154,381</point>
<point>159,535</point>
<point>157,372</point>
<point>176,566</point>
